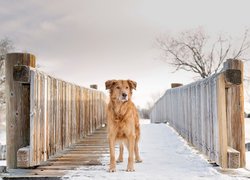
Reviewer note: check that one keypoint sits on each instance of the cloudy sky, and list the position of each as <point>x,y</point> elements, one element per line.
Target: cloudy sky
<point>91,41</point>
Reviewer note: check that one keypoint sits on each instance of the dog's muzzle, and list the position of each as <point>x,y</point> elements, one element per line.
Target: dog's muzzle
<point>124,97</point>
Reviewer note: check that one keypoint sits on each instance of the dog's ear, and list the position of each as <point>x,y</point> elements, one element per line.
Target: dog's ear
<point>132,84</point>
<point>110,83</point>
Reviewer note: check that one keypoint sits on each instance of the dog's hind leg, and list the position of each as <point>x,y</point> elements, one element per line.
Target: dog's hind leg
<point>120,157</point>
<point>137,156</point>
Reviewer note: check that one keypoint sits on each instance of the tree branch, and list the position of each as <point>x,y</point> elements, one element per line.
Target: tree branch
<point>244,45</point>
<point>188,52</point>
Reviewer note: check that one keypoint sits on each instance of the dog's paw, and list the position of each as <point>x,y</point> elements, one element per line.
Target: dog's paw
<point>130,169</point>
<point>111,170</point>
<point>119,160</point>
<point>138,160</point>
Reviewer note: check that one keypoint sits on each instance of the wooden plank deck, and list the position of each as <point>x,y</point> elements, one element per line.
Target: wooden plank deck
<point>87,152</point>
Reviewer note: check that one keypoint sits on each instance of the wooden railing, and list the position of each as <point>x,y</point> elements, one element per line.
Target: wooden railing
<point>209,114</point>
<point>45,115</point>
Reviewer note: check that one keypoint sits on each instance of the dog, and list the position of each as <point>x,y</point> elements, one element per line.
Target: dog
<point>123,122</point>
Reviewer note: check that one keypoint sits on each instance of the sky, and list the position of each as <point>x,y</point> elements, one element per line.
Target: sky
<point>91,41</point>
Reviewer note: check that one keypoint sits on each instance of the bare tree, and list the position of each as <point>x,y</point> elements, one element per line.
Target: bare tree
<point>6,45</point>
<point>154,97</point>
<point>195,51</point>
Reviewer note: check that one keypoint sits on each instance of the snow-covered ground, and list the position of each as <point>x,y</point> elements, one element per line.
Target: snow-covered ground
<point>2,137</point>
<point>247,129</point>
<point>2,163</point>
<point>247,135</point>
<point>248,160</point>
<point>3,142</point>
<point>2,131</point>
<point>165,156</point>
<point>247,107</point>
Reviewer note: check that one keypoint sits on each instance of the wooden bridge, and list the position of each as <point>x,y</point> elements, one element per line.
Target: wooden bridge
<point>45,115</point>
<point>54,126</point>
<point>209,114</point>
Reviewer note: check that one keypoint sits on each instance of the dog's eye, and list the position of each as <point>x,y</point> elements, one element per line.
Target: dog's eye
<point>117,87</point>
<point>127,87</point>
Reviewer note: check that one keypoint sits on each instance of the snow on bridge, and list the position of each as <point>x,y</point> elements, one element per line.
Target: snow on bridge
<point>165,155</point>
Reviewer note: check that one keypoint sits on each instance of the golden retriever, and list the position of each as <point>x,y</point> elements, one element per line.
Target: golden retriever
<point>123,122</point>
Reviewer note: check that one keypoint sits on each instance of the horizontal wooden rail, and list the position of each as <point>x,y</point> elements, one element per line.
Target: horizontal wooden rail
<point>201,112</point>
<point>55,113</point>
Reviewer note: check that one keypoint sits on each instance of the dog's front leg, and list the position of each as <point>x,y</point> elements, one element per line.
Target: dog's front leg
<point>112,167</point>
<point>120,158</point>
<point>131,143</point>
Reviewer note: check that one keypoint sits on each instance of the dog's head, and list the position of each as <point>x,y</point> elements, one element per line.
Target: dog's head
<point>120,90</point>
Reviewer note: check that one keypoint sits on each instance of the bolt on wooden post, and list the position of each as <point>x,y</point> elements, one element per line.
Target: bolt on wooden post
<point>93,86</point>
<point>17,102</point>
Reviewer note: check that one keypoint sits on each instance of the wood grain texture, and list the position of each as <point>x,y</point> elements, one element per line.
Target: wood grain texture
<point>83,153</point>
<point>221,116</point>
<point>208,113</point>
<point>235,112</point>
<point>233,157</point>
<point>46,114</point>
<point>16,123</point>
<point>60,119</point>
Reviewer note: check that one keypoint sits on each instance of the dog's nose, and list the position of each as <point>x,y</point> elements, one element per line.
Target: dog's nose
<point>124,95</point>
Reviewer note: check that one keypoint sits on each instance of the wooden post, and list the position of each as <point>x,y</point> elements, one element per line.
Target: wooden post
<point>17,111</point>
<point>23,157</point>
<point>174,85</point>
<point>222,126</point>
<point>233,158</point>
<point>235,112</point>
